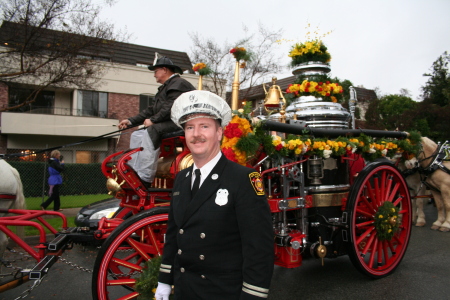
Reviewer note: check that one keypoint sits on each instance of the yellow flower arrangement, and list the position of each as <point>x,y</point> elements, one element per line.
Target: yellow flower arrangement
<point>308,47</point>
<point>296,145</point>
<point>241,141</point>
<point>310,51</point>
<point>325,89</point>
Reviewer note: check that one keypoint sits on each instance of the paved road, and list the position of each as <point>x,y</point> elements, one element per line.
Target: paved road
<point>423,274</point>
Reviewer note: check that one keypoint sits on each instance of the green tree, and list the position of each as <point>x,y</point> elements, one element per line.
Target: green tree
<point>372,116</point>
<point>437,88</point>
<point>391,107</point>
<point>387,112</point>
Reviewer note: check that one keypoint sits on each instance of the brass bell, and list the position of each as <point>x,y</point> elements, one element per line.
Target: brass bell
<point>274,97</point>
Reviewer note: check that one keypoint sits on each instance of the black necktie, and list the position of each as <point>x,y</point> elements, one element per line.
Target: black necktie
<point>196,182</point>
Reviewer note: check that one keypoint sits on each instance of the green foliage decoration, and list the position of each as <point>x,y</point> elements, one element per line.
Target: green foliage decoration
<point>386,221</point>
<point>148,281</point>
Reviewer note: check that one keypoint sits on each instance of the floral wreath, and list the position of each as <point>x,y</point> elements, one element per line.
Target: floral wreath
<point>202,69</point>
<point>386,221</point>
<point>148,281</point>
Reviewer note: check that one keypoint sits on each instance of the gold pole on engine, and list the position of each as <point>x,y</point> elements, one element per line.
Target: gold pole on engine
<point>235,88</point>
<point>200,82</point>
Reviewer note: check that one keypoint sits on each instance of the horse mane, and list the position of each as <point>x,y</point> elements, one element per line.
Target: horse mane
<point>428,148</point>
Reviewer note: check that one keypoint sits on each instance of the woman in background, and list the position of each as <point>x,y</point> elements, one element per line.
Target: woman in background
<point>54,169</point>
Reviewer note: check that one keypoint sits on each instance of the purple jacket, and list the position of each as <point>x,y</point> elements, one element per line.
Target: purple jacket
<point>55,168</point>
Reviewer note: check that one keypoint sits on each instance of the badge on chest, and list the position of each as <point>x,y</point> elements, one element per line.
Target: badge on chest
<point>222,197</point>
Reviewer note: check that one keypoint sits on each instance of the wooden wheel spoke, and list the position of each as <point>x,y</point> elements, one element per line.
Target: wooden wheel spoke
<point>364,235</point>
<point>126,264</point>
<point>368,245</point>
<point>365,224</point>
<point>362,211</point>
<point>393,193</point>
<point>367,203</point>
<point>151,234</point>
<point>402,212</point>
<point>387,192</point>
<point>372,253</point>
<point>398,200</point>
<point>371,192</point>
<point>132,295</point>
<point>123,281</point>
<point>383,186</point>
<point>376,183</point>
<point>380,254</point>
<point>138,247</point>
<point>385,251</point>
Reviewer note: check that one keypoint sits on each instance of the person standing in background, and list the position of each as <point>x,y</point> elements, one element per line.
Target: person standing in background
<point>55,179</point>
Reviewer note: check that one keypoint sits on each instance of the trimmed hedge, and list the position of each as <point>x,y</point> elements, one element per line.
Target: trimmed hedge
<point>78,179</point>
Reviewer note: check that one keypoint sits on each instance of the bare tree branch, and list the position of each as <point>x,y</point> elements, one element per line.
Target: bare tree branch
<point>54,43</point>
<point>264,60</point>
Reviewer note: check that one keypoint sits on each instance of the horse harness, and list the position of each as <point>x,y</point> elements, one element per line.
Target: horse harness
<point>440,155</point>
<point>7,197</point>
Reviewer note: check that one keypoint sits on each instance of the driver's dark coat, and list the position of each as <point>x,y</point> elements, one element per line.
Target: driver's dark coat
<point>211,250</point>
<point>159,112</point>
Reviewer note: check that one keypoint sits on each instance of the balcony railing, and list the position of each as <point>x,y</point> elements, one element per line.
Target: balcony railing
<point>61,111</point>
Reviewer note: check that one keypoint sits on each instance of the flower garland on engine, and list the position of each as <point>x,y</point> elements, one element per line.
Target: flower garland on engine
<point>241,143</point>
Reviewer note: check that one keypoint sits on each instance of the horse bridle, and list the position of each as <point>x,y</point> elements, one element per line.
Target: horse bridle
<point>436,163</point>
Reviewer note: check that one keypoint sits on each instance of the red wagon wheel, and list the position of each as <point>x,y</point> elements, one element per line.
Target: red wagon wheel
<point>123,254</point>
<point>376,250</point>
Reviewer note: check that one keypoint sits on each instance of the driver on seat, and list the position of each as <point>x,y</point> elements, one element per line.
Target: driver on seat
<point>156,118</point>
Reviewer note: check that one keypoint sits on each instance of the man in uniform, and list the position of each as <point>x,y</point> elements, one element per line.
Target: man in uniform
<point>156,117</point>
<point>219,240</point>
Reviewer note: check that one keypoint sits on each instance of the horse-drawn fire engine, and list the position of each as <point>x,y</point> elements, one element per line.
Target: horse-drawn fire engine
<point>318,210</point>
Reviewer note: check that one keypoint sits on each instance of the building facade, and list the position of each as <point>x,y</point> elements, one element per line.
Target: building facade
<point>68,116</point>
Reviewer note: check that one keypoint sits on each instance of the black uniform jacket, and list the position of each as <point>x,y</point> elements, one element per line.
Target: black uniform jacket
<point>159,112</point>
<point>219,245</point>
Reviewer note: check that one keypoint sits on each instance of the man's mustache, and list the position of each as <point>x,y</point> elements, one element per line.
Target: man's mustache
<point>197,140</point>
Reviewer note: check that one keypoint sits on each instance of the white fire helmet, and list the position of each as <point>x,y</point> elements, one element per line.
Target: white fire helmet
<point>200,104</point>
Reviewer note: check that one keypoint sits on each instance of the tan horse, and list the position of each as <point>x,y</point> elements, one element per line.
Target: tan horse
<point>418,191</point>
<point>11,195</point>
<point>438,180</point>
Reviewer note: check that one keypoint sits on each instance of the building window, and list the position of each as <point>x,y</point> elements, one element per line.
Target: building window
<point>145,100</point>
<point>88,157</point>
<point>44,101</point>
<point>141,65</point>
<point>93,104</point>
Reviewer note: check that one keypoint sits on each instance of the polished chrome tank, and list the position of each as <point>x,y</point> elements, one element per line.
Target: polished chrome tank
<point>313,111</point>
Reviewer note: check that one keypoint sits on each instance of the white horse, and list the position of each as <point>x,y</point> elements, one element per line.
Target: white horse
<point>439,182</point>
<point>11,195</point>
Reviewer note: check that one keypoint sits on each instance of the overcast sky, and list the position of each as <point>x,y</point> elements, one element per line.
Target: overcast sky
<point>387,44</point>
